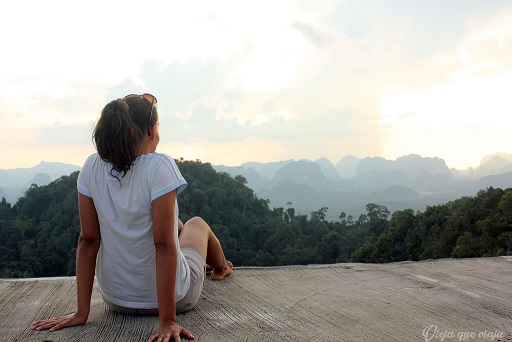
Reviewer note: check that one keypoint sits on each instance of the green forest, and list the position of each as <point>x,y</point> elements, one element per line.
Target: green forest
<point>39,234</point>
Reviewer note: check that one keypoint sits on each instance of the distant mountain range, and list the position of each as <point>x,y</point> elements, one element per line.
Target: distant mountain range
<point>410,181</point>
<point>14,182</point>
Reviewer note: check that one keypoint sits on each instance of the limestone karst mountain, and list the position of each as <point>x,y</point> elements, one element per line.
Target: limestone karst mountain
<point>410,181</point>
<point>14,182</point>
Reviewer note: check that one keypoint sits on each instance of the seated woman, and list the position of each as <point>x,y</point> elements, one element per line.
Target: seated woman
<point>145,260</point>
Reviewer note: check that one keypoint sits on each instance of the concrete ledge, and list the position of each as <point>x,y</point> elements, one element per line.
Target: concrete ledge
<point>449,299</point>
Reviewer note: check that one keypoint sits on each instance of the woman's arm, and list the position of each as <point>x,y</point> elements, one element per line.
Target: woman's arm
<point>166,263</point>
<point>88,246</point>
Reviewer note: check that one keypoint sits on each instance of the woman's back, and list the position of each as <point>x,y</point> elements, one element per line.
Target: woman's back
<point>126,262</point>
<point>130,234</point>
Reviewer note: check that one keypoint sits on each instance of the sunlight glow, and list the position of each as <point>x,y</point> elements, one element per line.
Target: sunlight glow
<point>462,113</point>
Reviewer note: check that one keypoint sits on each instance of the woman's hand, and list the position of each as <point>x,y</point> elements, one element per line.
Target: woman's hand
<point>168,331</point>
<point>60,322</point>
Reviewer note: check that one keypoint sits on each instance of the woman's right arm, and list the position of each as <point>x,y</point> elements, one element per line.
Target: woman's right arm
<point>88,246</point>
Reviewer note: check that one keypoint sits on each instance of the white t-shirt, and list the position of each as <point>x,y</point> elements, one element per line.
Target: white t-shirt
<point>126,264</point>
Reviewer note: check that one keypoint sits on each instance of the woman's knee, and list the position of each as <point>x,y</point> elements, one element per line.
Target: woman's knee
<point>196,234</point>
<point>197,222</point>
<point>196,225</point>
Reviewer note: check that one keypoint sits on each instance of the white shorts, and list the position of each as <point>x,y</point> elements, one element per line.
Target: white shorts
<point>197,274</point>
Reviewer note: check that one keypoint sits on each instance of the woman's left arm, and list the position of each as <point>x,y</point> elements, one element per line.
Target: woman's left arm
<point>88,246</point>
<point>166,263</point>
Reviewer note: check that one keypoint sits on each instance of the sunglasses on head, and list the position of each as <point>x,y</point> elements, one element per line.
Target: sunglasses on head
<point>149,97</point>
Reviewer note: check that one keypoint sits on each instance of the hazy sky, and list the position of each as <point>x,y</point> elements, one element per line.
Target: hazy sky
<point>264,81</point>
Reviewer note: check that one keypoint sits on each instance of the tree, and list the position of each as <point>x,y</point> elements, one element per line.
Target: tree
<point>289,214</point>
<point>5,210</point>
<point>468,246</point>
<point>319,214</point>
<point>362,220</point>
<point>377,215</point>
<point>240,179</point>
<point>38,235</point>
<point>377,212</point>
<point>329,248</point>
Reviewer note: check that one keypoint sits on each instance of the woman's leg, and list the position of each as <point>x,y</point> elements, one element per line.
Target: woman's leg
<point>180,227</point>
<point>197,234</point>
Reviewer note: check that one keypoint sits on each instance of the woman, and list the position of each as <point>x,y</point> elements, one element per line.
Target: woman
<point>145,260</point>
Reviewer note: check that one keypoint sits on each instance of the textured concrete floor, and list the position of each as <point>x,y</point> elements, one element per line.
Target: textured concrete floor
<point>443,300</point>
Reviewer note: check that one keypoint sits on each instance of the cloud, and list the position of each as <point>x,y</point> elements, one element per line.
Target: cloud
<point>348,18</point>
<point>303,79</point>
<point>312,34</point>
<point>486,52</point>
<point>183,84</point>
<point>332,90</point>
<point>60,134</point>
<point>125,87</point>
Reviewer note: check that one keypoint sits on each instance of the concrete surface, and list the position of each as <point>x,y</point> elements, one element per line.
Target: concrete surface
<point>442,300</point>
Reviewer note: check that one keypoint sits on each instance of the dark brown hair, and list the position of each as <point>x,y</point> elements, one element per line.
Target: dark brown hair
<point>120,130</point>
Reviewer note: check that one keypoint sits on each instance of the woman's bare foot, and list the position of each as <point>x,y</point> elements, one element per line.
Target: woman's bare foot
<point>224,272</point>
<point>209,269</point>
